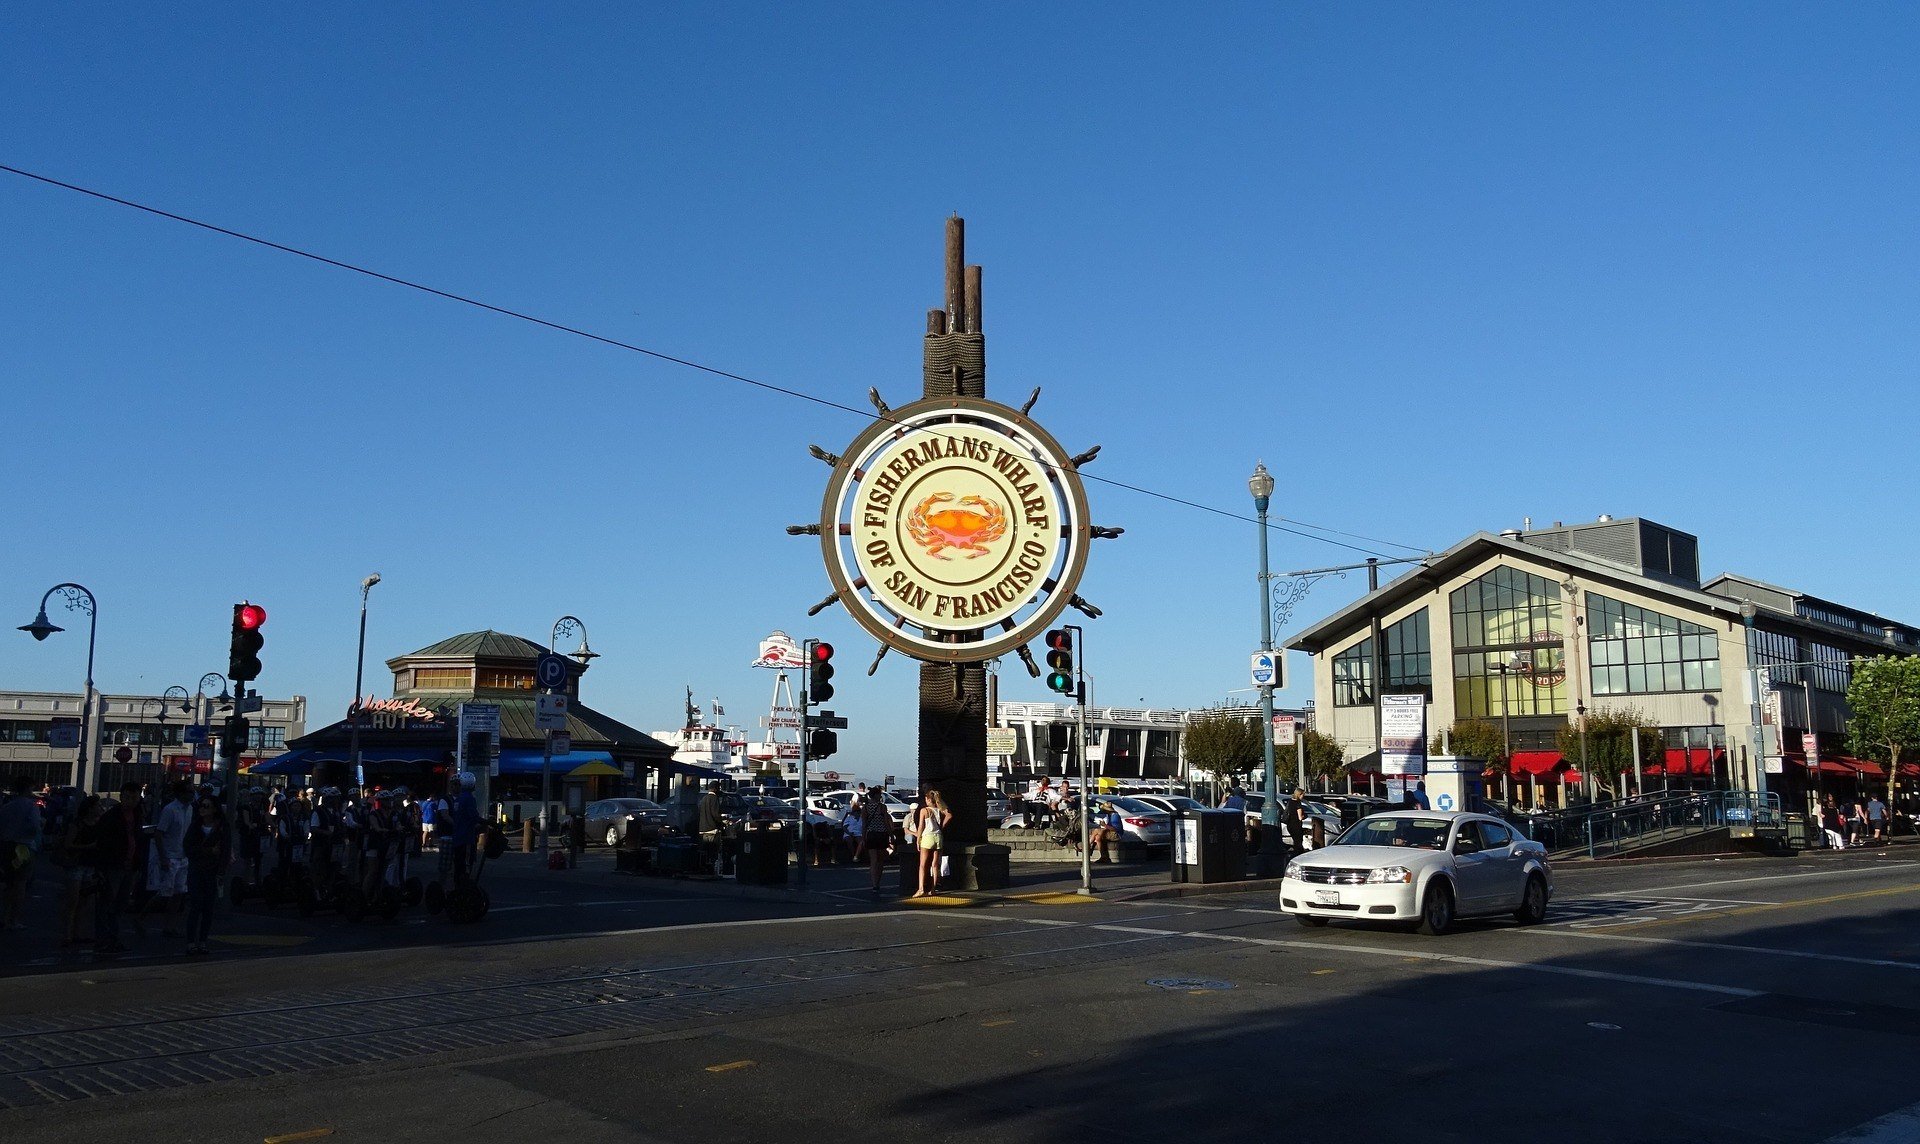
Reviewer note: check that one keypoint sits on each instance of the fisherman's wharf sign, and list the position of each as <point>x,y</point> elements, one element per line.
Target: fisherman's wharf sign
<point>955,529</point>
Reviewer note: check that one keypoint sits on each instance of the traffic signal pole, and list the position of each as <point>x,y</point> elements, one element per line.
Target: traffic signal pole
<point>806,732</point>
<point>1086,791</point>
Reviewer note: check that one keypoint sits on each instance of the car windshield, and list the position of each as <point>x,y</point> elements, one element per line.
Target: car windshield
<point>1182,802</point>
<point>1423,833</point>
<point>1134,806</point>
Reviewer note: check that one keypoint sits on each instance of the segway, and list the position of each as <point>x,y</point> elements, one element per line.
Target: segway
<point>468,902</point>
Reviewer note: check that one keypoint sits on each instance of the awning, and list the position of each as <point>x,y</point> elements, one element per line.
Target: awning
<point>1688,761</point>
<point>291,763</point>
<point>1867,767</point>
<point>676,767</point>
<point>527,761</point>
<point>596,770</point>
<point>1535,762</point>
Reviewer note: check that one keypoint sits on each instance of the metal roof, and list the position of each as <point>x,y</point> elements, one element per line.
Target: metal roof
<point>489,644</point>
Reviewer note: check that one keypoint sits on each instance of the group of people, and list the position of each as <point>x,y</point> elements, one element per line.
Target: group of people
<point>1852,823</point>
<point>113,856</point>
<point>137,854</point>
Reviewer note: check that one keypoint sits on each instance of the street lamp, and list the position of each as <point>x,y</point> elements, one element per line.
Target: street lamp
<point>564,626</point>
<point>1747,613</point>
<point>359,672</point>
<point>1272,855</point>
<point>1506,668</point>
<point>78,599</point>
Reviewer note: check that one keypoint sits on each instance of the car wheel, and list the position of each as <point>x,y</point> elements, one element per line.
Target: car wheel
<point>1436,913</point>
<point>613,836</point>
<point>1310,921</point>
<point>1533,903</point>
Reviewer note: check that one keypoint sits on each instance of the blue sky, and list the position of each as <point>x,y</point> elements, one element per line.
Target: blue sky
<point>1442,267</point>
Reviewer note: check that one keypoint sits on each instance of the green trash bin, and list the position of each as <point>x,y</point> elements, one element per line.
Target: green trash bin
<point>763,855</point>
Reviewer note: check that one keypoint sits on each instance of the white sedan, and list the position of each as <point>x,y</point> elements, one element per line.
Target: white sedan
<point>1425,867</point>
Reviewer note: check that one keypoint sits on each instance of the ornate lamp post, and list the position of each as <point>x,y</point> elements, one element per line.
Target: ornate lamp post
<point>78,599</point>
<point>359,670</point>
<point>1272,852</point>
<point>564,626</point>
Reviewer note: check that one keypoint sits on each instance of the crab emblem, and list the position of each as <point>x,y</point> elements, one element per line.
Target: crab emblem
<point>968,526</point>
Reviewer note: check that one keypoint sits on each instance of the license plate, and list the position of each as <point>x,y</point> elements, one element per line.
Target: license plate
<point>1326,897</point>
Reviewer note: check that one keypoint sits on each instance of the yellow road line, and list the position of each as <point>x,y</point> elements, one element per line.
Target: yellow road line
<point>941,901</point>
<point>997,1024</point>
<point>729,1066</point>
<point>1052,898</point>
<point>309,1134</point>
<point>1768,908</point>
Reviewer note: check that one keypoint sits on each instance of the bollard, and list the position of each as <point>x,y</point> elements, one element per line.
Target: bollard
<point>526,836</point>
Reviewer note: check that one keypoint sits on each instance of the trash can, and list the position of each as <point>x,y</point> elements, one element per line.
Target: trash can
<point>677,856</point>
<point>763,855</point>
<point>1209,846</point>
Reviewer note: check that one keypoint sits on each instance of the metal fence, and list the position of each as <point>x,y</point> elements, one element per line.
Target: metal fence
<point>1603,829</point>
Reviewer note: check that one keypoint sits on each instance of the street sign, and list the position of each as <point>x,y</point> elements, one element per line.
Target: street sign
<point>123,755</point>
<point>1266,670</point>
<point>193,733</point>
<point>833,776</point>
<point>1001,740</point>
<point>1810,743</point>
<point>64,734</point>
<point>1403,734</point>
<point>827,719</point>
<point>249,704</point>
<point>552,713</point>
<point>550,671</point>
<point>563,744</point>
<point>1283,732</point>
<point>480,717</point>
<point>203,750</point>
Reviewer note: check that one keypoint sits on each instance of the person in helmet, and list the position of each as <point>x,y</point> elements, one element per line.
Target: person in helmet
<point>464,827</point>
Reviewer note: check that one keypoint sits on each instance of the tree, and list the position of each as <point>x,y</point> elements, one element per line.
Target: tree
<point>1225,746</point>
<point>1476,739</point>
<point>1885,699</point>
<point>1609,744</point>
<point>1325,758</point>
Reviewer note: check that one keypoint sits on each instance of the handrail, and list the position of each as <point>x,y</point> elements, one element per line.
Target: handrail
<point>1613,825</point>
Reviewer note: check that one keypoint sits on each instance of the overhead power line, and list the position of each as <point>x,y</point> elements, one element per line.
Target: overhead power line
<point>616,343</point>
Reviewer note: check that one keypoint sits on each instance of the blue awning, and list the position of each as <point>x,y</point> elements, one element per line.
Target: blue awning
<point>291,763</point>
<point>302,762</point>
<point>526,761</point>
<point>676,767</point>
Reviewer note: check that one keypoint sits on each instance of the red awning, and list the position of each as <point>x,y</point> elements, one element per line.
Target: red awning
<point>1867,767</point>
<point>1535,762</point>
<point>1830,767</point>
<point>1911,770</point>
<point>1688,761</point>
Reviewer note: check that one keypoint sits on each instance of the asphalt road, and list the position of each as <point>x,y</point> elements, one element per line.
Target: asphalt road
<point>1772,1000</point>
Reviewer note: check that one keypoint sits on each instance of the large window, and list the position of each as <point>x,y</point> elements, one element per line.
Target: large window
<point>145,734</point>
<point>1509,654</point>
<point>1409,663</point>
<point>1638,652</point>
<point>1353,675</point>
<point>504,679</point>
<point>24,730</point>
<point>442,679</point>
<point>1832,668</point>
<point>266,738</point>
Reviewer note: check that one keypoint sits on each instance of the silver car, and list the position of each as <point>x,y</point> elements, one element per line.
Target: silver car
<point>1140,821</point>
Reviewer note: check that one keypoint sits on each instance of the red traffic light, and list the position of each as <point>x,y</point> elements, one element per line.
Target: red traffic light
<point>1060,639</point>
<point>822,652</point>
<point>249,616</point>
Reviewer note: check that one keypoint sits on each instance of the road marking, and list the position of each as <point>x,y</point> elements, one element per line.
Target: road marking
<point>1771,906</point>
<point>997,1024</point>
<point>730,1066</point>
<point>1765,878</point>
<point>309,1134</point>
<point>1324,972</point>
<point>1446,958</point>
<point>266,939</point>
<point>1606,935</point>
<point>1898,1127</point>
<point>1053,898</point>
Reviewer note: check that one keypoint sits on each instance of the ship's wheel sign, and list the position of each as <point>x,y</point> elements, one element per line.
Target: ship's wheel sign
<point>955,529</point>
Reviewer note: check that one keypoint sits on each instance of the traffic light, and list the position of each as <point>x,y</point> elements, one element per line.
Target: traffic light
<point>233,736</point>
<point>1057,738</point>
<point>1060,661</point>
<point>820,674</point>
<point>243,656</point>
<point>821,743</point>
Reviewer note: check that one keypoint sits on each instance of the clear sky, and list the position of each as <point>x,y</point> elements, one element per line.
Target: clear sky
<point>1442,266</point>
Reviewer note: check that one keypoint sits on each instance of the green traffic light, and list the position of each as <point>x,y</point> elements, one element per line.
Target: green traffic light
<point>1060,681</point>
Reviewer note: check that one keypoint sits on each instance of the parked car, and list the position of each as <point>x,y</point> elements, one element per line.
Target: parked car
<point>607,819</point>
<point>1170,803</point>
<point>834,804</point>
<point>1423,867</point>
<point>1140,821</point>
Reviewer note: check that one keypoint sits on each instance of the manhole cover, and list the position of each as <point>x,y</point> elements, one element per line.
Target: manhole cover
<point>1189,984</point>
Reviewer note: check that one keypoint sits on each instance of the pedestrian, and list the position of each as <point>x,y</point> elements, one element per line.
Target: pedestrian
<point>712,824</point>
<point>1235,800</point>
<point>933,818</point>
<point>426,812</point>
<point>167,861</point>
<point>876,835</point>
<point>19,843</point>
<point>117,860</point>
<point>1831,824</point>
<point>853,823</point>
<point>1877,819</point>
<point>463,816</point>
<point>208,846</point>
<point>1106,830</point>
<point>79,845</point>
<point>1420,797</point>
<point>1294,815</point>
<point>1857,823</point>
<point>252,816</point>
